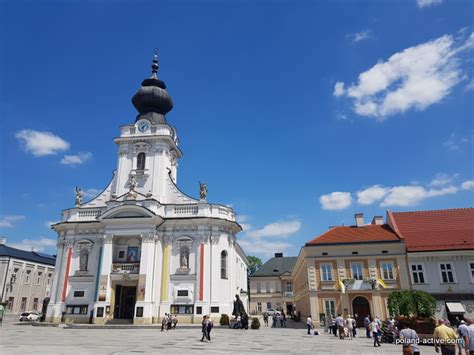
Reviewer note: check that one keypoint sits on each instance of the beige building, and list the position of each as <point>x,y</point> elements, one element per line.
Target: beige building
<point>350,270</point>
<point>26,278</point>
<point>271,285</point>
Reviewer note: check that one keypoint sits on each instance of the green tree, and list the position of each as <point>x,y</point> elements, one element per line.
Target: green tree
<point>411,303</point>
<point>254,264</point>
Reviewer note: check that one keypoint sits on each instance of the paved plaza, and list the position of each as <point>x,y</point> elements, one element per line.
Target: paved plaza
<point>27,339</point>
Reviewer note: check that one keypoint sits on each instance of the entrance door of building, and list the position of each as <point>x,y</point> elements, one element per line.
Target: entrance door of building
<point>125,297</point>
<point>360,308</point>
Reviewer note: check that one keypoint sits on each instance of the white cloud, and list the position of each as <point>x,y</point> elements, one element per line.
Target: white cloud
<point>412,195</point>
<point>339,89</point>
<point>336,200</point>
<point>261,247</point>
<point>8,221</point>
<point>455,143</point>
<point>414,78</point>
<point>359,36</point>
<point>372,194</point>
<point>468,185</point>
<point>90,193</point>
<point>277,229</point>
<point>38,244</point>
<point>427,3</point>
<point>442,179</point>
<point>41,143</point>
<point>470,85</point>
<point>77,159</point>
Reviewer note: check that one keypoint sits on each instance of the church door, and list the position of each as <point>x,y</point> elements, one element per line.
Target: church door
<point>360,308</point>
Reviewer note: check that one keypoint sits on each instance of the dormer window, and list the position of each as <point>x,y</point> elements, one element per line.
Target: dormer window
<point>141,157</point>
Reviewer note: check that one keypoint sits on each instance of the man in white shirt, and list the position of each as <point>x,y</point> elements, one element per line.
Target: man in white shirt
<point>309,324</point>
<point>375,328</point>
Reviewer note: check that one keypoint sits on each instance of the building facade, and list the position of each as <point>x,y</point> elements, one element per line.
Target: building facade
<point>26,278</point>
<point>350,270</point>
<point>142,247</point>
<point>440,252</point>
<point>271,286</point>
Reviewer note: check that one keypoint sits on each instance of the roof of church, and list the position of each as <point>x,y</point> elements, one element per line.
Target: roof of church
<point>276,266</point>
<point>436,230</point>
<point>32,256</point>
<point>370,233</point>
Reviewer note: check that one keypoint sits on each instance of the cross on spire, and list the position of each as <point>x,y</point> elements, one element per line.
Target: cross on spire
<point>154,65</point>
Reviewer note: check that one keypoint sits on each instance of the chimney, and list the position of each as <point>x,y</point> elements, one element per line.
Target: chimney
<point>278,255</point>
<point>378,220</point>
<point>359,218</point>
<point>3,241</point>
<point>33,249</point>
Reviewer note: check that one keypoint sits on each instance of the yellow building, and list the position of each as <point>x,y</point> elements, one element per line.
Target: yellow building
<point>350,270</point>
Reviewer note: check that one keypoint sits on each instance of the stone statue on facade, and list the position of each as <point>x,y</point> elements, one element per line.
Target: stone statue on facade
<point>132,185</point>
<point>79,195</point>
<point>184,261</point>
<point>202,190</point>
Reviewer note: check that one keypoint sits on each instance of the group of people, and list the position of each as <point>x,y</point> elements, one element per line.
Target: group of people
<point>344,327</point>
<point>169,321</point>
<point>277,317</point>
<point>207,325</point>
<point>241,322</point>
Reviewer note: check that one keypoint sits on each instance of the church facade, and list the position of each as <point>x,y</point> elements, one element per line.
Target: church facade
<point>142,247</point>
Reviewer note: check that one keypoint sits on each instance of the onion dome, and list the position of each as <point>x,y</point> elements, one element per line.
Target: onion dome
<point>152,101</point>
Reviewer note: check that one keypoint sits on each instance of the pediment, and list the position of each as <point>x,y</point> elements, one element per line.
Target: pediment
<point>128,211</point>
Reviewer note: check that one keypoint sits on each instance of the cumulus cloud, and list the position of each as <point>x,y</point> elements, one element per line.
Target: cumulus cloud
<point>372,194</point>
<point>414,78</point>
<point>359,36</point>
<point>40,244</point>
<point>41,143</point>
<point>427,3</point>
<point>470,85</point>
<point>9,221</point>
<point>262,248</point>
<point>412,195</point>
<point>76,159</point>
<point>468,185</point>
<point>336,200</point>
<point>442,179</point>
<point>277,229</point>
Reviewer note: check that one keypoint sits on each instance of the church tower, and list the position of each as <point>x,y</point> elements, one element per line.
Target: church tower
<point>143,248</point>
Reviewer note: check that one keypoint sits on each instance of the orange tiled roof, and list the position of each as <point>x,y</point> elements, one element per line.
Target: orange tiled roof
<point>437,230</point>
<point>370,233</point>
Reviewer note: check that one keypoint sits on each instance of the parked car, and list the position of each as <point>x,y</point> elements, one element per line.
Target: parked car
<point>30,316</point>
<point>271,311</point>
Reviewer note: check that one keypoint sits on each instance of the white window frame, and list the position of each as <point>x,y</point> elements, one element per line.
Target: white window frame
<point>333,300</point>
<point>289,286</point>
<point>259,287</point>
<point>361,270</point>
<point>423,271</point>
<point>470,269</point>
<point>392,270</point>
<point>27,277</point>
<point>331,273</point>
<point>455,280</point>
<point>259,306</point>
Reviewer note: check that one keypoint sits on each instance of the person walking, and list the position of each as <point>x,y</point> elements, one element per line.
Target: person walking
<point>205,329</point>
<point>265,319</point>
<point>283,319</point>
<point>469,340</point>
<point>340,325</point>
<point>334,326</point>
<point>366,325</point>
<point>409,339</point>
<point>309,324</point>
<point>375,328</point>
<point>444,337</point>
<point>210,325</point>
<point>274,320</point>
<point>350,326</point>
<point>463,332</point>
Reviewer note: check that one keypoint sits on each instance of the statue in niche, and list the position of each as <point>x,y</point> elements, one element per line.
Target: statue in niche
<point>184,258</point>
<point>202,190</point>
<point>132,184</point>
<point>83,259</point>
<point>79,195</point>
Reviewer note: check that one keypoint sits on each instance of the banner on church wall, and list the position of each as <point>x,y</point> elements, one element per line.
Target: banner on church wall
<point>103,288</point>
<point>141,288</point>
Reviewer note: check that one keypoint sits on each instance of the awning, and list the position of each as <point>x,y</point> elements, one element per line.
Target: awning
<point>455,307</point>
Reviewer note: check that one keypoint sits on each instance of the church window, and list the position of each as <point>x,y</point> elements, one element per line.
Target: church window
<point>215,309</point>
<point>184,257</point>
<point>224,265</point>
<point>83,259</point>
<point>141,161</point>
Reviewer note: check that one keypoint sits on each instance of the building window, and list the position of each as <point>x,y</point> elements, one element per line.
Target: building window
<point>79,293</point>
<point>268,287</point>
<point>83,259</point>
<point>49,279</point>
<point>269,305</point>
<point>184,257</point>
<point>27,277</point>
<point>38,279</point>
<point>417,274</point>
<point>181,309</point>
<point>223,264</point>
<point>80,309</point>
<point>35,304</point>
<point>259,307</point>
<point>357,271</point>
<point>23,304</point>
<point>198,310</point>
<point>329,308</point>
<point>13,277</point>
<point>326,272</point>
<point>182,293</point>
<point>259,287</point>
<point>471,270</point>
<point>387,271</point>
<point>141,161</point>
<point>289,286</point>
<point>214,309</point>
<point>11,301</point>
<point>447,273</point>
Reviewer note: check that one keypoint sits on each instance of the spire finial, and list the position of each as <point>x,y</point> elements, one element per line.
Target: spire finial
<point>154,66</point>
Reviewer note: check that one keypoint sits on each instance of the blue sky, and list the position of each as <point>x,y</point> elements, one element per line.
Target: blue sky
<point>296,113</point>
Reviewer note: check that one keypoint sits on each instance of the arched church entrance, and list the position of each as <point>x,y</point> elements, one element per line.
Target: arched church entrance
<point>360,308</point>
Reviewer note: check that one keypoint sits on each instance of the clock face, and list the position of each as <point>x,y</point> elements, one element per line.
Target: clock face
<point>143,126</point>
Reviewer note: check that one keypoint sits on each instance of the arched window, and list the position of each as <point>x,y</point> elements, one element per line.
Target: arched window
<point>184,257</point>
<point>224,265</point>
<point>141,161</point>
<point>83,259</point>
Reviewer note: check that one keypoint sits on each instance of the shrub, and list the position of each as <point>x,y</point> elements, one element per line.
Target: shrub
<point>255,323</point>
<point>411,303</point>
<point>224,319</point>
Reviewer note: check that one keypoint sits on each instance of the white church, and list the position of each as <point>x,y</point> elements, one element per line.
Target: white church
<point>142,247</point>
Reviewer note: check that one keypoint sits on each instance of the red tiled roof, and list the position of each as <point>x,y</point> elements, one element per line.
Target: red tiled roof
<point>351,234</point>
<point>451,229</point>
